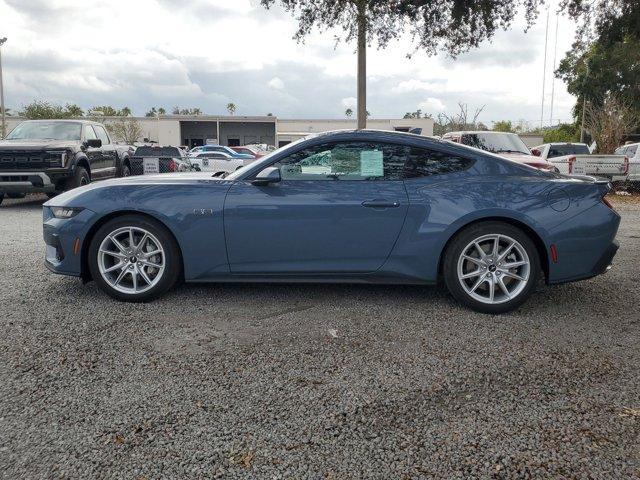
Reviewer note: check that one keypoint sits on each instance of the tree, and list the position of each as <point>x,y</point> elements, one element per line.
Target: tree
<point>151,113</point>
<point>348,113</point>
<point>565,132</point>
<point>39,109</point>
<point>503,126</point>
<point>416,114</point>
<point>461,120</point>
<point>105,111</point>
<point>124,129</point>
<point>231,108</point>
<point>608,120</point>
<point>162,111</point>
<point>454,26</point>
<point>605,58</point>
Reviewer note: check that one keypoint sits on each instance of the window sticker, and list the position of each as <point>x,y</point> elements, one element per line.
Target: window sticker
<point>371,164</point>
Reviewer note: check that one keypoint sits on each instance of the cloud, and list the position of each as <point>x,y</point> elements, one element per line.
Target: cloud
<point>276,83</point>
<point>206,53</point>
<point>414,85</point>
<point>432,105</point>
<point>349,102</point>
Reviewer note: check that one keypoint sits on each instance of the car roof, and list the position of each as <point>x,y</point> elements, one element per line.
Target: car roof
<point>475,132</point>
<point>64,120</point>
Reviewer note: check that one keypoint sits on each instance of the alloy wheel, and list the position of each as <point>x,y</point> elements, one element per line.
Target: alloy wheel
<point>493,269</point>
<point>131,260</point>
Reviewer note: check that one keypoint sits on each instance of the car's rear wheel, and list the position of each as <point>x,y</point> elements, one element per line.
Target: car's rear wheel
<point>16,195</point>
<point>491,267</point>
<point>134,258</point>
<point>126,171</point>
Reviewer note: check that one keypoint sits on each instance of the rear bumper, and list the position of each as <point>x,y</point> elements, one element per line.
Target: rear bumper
<point>603,265</point>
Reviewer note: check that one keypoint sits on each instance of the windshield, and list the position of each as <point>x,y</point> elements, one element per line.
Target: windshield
<point>568,149</point>
<point>46,131</point>
<point>496,143</point>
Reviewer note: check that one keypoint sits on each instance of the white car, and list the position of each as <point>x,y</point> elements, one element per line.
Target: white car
<point>632,152</point>
<point>219,163</point>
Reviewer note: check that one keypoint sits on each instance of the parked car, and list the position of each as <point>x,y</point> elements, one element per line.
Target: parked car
<point>252,150</point>
<point>219,148</point>
<point>149,160</point>
<point>52,156</point>
<point>632,152</point>
<point>508,145</point>
<point>220,163</point>
<point>577,159</point>
<point>388,207</point>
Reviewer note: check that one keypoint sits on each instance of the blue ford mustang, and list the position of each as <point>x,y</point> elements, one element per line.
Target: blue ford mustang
<point>349,206</point>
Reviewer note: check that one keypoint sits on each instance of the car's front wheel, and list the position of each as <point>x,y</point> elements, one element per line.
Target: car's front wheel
<point>491,267</point>
<point>134,258</point>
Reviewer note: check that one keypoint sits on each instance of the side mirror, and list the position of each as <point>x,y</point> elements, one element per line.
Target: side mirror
<point>94,143</point>
<point>267,176</point>
<point>535,152</point>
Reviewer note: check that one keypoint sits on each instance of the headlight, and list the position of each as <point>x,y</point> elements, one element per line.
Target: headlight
<point>65,212</point>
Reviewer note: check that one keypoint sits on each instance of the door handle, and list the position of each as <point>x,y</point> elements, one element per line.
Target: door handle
<point>380,204</point>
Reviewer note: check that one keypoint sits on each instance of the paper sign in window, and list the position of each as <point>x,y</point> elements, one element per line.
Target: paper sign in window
<point>371,164</point>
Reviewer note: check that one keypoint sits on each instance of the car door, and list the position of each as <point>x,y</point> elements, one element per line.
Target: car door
<point>338,208</point>
<point>109,154</point>
<point>94,155</point>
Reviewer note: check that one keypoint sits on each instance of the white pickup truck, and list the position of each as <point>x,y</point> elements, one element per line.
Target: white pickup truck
<point>632,152</point>
<point>577,159</point>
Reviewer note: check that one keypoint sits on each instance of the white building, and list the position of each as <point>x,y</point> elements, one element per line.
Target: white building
<point>238,130</point>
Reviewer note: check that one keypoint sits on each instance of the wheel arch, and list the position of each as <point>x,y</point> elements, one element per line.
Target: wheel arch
<point>84,252</point>
<point>535,237</point>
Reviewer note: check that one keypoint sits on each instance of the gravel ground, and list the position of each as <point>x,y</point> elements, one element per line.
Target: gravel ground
<point>327,382</point>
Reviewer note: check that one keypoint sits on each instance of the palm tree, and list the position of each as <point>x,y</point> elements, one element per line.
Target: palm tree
<point>348,112</point>
<point>231,108</point>
<point>162,111</point>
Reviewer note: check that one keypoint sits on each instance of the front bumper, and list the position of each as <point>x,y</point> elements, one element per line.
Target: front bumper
<point>60,237</point>
<point>25,182</point>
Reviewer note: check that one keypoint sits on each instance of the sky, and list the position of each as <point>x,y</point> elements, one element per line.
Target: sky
<point>207,53</point>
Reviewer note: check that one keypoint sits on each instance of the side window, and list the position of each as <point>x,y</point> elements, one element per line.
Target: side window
<point>631,151</point>
<point>102,135</point>
<point>424,163</point>
<point>345,161</point>
<point>89,134</point>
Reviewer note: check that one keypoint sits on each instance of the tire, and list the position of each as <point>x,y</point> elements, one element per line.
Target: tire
<point>463,259</point>
<point>1,198</point>
<point>80,177</point>
<point>126,170</point>
<point>52,194</point>
<point>162,270</point>
<point>16,195</point>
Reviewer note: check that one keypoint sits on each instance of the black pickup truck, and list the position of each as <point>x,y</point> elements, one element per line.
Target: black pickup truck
<point>52,156</point>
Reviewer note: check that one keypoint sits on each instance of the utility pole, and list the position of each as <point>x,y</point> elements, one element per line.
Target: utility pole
<point>362,65</point>
<point>544,69</point>
<point>3,132</point>
<point>584,106</point>
<point>553,81</point>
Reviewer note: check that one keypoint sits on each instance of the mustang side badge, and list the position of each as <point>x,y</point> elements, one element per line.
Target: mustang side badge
<point>203,211</point>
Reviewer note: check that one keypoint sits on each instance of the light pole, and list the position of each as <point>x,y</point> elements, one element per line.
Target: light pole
<point>584,106</point>
<point>4,128</point>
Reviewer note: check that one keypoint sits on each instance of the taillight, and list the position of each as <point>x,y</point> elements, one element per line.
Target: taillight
<point>172,165</point>
<point>606,201</point>
<point>571,160</point>
<point>625,166</point>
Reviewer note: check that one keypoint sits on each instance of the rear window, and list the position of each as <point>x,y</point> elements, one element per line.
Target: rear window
<point>172,152</point>
<point>567,149</point>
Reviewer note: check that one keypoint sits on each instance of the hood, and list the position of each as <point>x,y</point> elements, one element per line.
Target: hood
<point>134,181</point>
<point>43,144</point>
